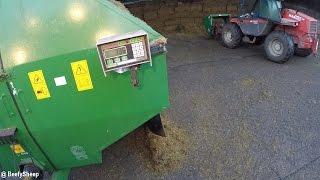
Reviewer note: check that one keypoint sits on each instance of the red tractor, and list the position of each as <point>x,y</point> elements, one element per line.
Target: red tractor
<point>284,32</point>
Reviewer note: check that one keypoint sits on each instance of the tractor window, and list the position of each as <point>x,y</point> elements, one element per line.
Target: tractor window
<point>279,4</point>
<point>256,7</point>
<point>271,10</point>
<point>249,6</point>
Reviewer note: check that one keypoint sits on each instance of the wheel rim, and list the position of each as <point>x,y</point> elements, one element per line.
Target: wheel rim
<point>276,47</point>
<point>227,36</point>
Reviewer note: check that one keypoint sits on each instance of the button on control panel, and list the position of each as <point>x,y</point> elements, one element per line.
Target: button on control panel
<point>124,51</point>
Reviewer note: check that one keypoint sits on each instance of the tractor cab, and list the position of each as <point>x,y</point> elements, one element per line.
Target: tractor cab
<point>266,9</point>
<point>258,18</point>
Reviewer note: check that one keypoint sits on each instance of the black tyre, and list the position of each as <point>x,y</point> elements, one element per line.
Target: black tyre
<point>279,47</point>
<point>231,35</point>
<point>302,52</point>
<point>29,168</point>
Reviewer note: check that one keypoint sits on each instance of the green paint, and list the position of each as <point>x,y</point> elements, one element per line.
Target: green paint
<point>71,128</point>
<point>210,20</point>
<point>10,117</point>
<point>39,31</point>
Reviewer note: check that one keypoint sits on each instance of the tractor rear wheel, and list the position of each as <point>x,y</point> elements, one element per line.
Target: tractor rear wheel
<point>302,52</point>
<point>231,35</point>
<point>279,47</point>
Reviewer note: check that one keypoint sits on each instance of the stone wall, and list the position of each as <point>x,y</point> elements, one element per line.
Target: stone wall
<point>170,16</point>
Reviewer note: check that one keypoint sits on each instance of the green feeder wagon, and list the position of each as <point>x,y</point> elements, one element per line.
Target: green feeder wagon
<point>76,76</point>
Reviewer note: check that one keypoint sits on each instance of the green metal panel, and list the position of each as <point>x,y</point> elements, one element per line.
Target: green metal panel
<point>32,31</point>
<point>91,119</point>
<point>73,127</point>
<point>10,117</point>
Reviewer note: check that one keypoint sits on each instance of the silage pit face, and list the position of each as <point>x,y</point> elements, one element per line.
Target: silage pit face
<point>168,153</point>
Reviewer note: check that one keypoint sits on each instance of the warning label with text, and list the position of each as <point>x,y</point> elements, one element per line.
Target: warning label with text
<point>81,75</point>
<point>39,84</point>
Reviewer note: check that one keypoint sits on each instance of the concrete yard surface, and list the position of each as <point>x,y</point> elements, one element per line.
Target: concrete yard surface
<point>241,116</point>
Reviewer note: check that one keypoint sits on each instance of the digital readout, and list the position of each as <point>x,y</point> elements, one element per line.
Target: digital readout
<point>116,52</point>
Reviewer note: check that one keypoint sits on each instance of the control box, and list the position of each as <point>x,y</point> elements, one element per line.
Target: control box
<point>124,51</point>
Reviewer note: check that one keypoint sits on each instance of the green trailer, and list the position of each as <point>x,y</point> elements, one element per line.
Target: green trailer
<point>76,76</point>
<point>213,23</point>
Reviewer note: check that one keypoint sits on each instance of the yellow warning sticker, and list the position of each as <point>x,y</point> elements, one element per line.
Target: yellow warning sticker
<point>81,75</point>
<point>39,84</point>
<point>17,148</point>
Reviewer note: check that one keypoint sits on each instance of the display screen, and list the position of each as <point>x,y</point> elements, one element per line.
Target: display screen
<point>117,52</point>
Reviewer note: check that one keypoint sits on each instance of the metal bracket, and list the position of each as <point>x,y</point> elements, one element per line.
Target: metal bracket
<point>7,136</point>
<point>158,49</point>
<point>134,76</point>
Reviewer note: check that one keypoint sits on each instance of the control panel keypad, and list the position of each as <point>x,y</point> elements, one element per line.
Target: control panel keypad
<point>123,51</point>
<point>138,50</point>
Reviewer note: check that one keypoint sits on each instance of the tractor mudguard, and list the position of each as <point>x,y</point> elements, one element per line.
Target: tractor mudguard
<point>211,21</point>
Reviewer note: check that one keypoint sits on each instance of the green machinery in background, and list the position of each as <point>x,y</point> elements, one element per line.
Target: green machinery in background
<point>264,9</point>
<point>213,24</point>
<point>76,76</point>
